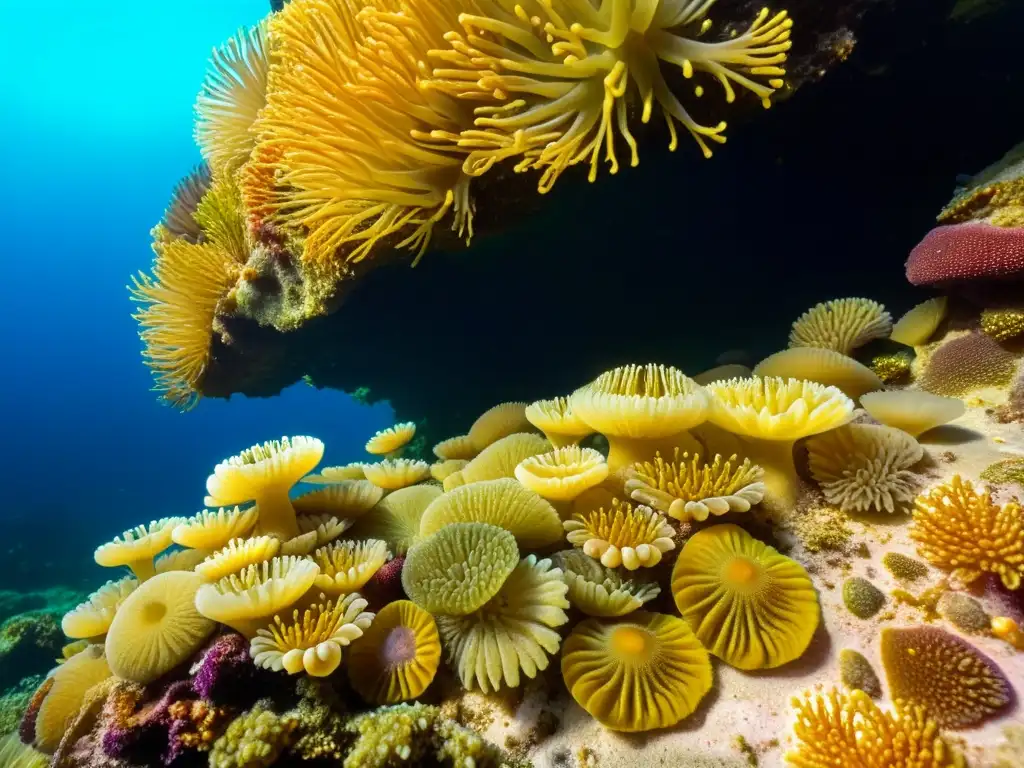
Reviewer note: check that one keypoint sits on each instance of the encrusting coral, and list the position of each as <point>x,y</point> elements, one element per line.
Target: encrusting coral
<point>1006,471</point>
<point>903,567</point>
<point>841,325</point>
<point>254,740</point>
<point>963,612</point>
<point>625,535</point>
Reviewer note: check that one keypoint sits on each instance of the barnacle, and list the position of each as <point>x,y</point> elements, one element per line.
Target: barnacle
<point>344,499</point>
<point>856,673</point>
<point>388,441</point>
<point>512,632</point>
<point>564,473</point>
<point>958,528</point>
<point>624,535</point>
<point>688,488</point>
<point>862,598</point>
<point>913,411</point>
<point>601,591</point>
<point>456,448</point>
<point>824,366</point>
<point>555,418</point>
<point>397,517</point>
<point>137,548</point>
<point>396,658</point>
<point>918,325</point>
<point>92,618</point>
<point>1003,324</point>
<point>497,422</point>
<point>346,566</point>
<point>441,470</point>
<point>238,555</point>
<point>503,503</point>
<point>841,325</point>
<point>179,218</point>
<point>750,606</point>
<point>213,530</point>
<point>500,458</point>
<point>313,641</point>
<point>953,681</point>
<point>903,567</point>
<point>862,467</point>
<point>963,612</point>
<point>392,474</point>
<point>639,673</point>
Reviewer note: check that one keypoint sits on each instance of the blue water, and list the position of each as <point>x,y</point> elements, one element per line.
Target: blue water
<point>97,104</point>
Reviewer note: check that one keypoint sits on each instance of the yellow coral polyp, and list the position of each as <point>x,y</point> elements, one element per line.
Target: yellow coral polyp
<point>346,566</point>
<point>388,441</point>
<point>629,536</point>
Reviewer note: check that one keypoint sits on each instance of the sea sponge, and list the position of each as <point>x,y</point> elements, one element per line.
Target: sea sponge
<point>265,474</point>
<point>92,618</point>
<point>14,754</point>
<point>824,366</point>
<point>862,598</point>
<point>504,503</point>
<point>625,535</point>
<point>61,696</point>
<point>564,473</point>
<point>497,422</point>
<point>952,680</point>
<point>501,457</point>
<point>750,606</point>
<point>1006,471</point>
<point>455,448</point>
<point>246,600</point>
<point>958,528</point>
<point>346,566</point>
<point>903,567</point>
<point>640,408</point>
<point>340,474</point>
<point>512,632</point>
<point>637,674</point>
<point>1003,324</point>
<point>397,518</point>
<point>392,474</point>
<point>311,643</point>
<point>213,530</point>
<point>856,673</point>
<point>862,467</point>
<point>918,325</point>
<point>841,325</point>
<point>963,612</point>
<point>157,627</point>
<point>179,219</point>
<point>397,657</point>
<point>238,555</point>
<point>688,488</point>
<point>911,410</point>
<point>601,591</point>
<point>344,499</point>
<point>968,251</point>
<point>459,568</point>
<point>440,470</point>
<point>966,364</point>
<point>840,729</point>
<point>773,414</point>
<point>254,739</point>
<point>390,440</point>
<point>555,418</point>
<point>137,548</point>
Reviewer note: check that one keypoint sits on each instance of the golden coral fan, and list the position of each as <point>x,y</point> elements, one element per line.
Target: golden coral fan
<point>137,548</point>
<point>555,418</point>
<point>312,642</point>
<point>496,422</point>
<point>513,632</point>
<point>345,499</point>
<point>564,473</point>
<point>397,657</point>
<point>458,448</point>
<point>265,474</point>
<point>238,555</point>
<point>750,606</point>
<point>958,528</point>
<point>689,488</point>
<point>956,684</point>
<point>555,78</point>
<point>911,410</point>
<point>157,628</point>
<point>640,673</point>
<point>346,566</point>
<point>840,729</point>
<point>388,441</point>
<point>392,474</point>
<point>862,467</point>
<point>500,458</point>
<point>630,536</point>
<point>213,530</point>
<point>841,325</point>
<point>824,366</point>
<point>917,326</point>
<point>601,591</point>
<point>1003,324</point>
<point>92,618</point>
<point>61,695</point>
<point>397,518</point>
<point>179,218</point>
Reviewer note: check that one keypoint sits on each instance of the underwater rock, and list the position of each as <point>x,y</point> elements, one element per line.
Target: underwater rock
<point>29,643</point>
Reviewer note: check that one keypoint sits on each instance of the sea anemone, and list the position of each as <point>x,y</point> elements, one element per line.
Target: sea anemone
<point>180,560</point>
<point>346,566</point>
<point>312,642</point>
<point>601,591</point>
<point>397,518</point>
<point>917,326</point>
<point>557,421</point>
<point>392,474</point>
<point>326,527</point>
<point>441,470</point>
<point>61,695</point>
<point>497,422</point>
<point>456,448</point>
<point>911,410</point>
<point>636,674</point>
<point>691,489</point>
<point>824,366</point>
<point>388,441</point>
<point>341,474</point>
<point>630,536</point>
<point>92,618</point>
<point>722,372</point>
<point>345,499</point>
<point>397,657</point>
<point>501,457</point>
<point>213,530</point>
<point>841,325</point>
<point>238,555</point>
<point>564,473</point>
<point>137,548</point>
<point>750,606</point>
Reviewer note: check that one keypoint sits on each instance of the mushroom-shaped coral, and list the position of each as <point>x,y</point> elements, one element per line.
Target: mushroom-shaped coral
<point>555,418</point>
<point>238,555</point>
<point>312,642</point>
<point>345,566</point>
<point>57,702</point>
<point>455,448</point>
<point>625,535</point>
<point>564,473</point>
<point>773,414</point>
<point>137,548</point>
<point>824,366</point>
<point>513,632</point>
<point>501,457</point>
<point>459,568</point>
<point>397,657</point>
<point>392,474</point>
<point>689,488</point>
<point>389,441</point>
<point>213,530</point>
<point>265,474</point>
<point>504,503</point>
<point>966,364</point>
<point>441,470</point>
<point>750,606</point>
<point>958,528</point>
<point>157,627</point>
<point>601,591</point>
<point>640,409</point>
<point>339,474</point>
<point>246,600</point>
<point>497,422</point>
<point>345,499</point>
<point>637,674</point>
<point>841,325</point>
<point>862,467</point>
<point>918,324</point>
<point>92,618</point>
<point>397,518</point>
<point>967,251</point>
<point>953,681</point>
<point>911,410</point>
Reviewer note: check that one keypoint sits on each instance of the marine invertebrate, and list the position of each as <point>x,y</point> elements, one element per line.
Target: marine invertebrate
<point>822,528</point>
<point>344,499</point>
<point>918,324</point>
<point>137,548</point>
<point>968,251</point>
<point>855,672</point>
<point>564,473</point>
<point>503,503</point>
<point>455,448</point>
<point>688,488</point>
<point>903,567</point>
<point>388,441</point>
<point>958,528</point>
<point>397,657</point>
<point>640,408</point>
<point>254,739</point>
<point>748,605</point>
<point>498,422</point>
<point>385,585</point>
<point>393,474</point>
<point>180,560</point>
<point>224,670</point>
<point>625,535</point>
<point>892,367</point>
<point>500,458</point>
<point>397,517</point>
<point>1009,630</point>
<point>346,566</point>
<point>312,642</point>
<point>1003,324</point>
<point>265,474</point>
<point>157,627</point>
<point>862,467</point>
<point>722,372</point>
<point>637,674</point>
<point>459,568</point>
<point>1005,471</point>
<point>511,633</point>
<point>440,470</point>
<point>59,698</point>
<point>911,410</point>
<point>601,591</point>
<point>326,527</point>
<point>967,363</point>
<point>821,365</point>
<point>841,325</point>
<point>14,754</point>
<point>340,474</point>
<point>213,530</point>
<point>862,598</point>
<point>92,618</point>
<point>179,218</point>
<point>954,682</point>
<point>963,612</point>
<point>238,555</point>
<point>555,418</point>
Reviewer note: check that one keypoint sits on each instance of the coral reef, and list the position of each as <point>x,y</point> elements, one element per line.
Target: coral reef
<point>29,642</point>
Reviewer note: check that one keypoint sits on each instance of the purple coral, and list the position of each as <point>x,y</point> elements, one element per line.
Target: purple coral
<point>224,665</point>
<point>147,730</point>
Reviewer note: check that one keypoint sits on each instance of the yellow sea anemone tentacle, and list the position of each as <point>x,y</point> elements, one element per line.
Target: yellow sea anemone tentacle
<point>624,535</point>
